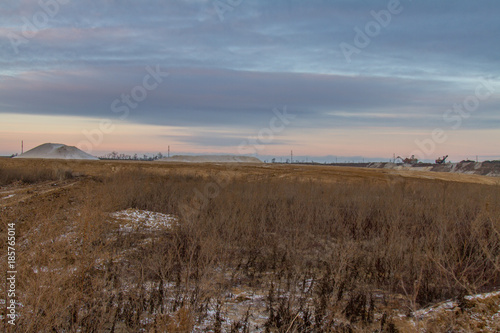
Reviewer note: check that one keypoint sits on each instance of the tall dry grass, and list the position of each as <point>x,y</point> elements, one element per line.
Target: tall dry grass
<point>329,257</point>
<point>32,174</point>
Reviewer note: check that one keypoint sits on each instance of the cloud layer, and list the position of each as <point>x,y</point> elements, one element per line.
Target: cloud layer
<point>228,68</point>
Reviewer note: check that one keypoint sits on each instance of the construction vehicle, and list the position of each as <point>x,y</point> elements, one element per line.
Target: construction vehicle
<point>408,160</point>
<point>441,160</point>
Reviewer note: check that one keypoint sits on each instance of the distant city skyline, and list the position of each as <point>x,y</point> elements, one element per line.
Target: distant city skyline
<point>321,78</point>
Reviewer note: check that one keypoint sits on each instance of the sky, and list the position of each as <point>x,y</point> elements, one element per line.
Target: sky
<point>326,79</point>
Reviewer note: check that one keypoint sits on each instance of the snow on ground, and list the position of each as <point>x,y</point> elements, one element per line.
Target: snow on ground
<point>478,313</point>
<point>451,304</point>
<point>482,296</point>
<point>448,305</point>
<point>8,197</point>
<point>143,220</point>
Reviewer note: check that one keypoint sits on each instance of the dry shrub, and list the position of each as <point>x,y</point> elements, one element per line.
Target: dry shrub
<point>30,175</point>
<point>321,252</point>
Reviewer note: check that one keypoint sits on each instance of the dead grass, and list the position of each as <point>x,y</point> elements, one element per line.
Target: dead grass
<point>353,254</point>
<point>32,175</point>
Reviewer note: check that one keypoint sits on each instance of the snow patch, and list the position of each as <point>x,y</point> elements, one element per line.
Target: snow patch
<point>451,304</point>
<point>143,220</point>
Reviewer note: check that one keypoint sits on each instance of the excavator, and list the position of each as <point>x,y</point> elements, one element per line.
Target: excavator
<point>408,160</point>
<point>441,160</point>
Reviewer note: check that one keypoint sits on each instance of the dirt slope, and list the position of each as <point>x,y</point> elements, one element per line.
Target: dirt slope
<point>57,151</point>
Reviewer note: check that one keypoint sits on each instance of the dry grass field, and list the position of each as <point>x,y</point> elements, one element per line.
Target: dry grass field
<point>105,246</point>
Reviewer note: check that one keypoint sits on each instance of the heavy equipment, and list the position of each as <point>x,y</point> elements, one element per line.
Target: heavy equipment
<point>441,160</point>
<point>408,160</point>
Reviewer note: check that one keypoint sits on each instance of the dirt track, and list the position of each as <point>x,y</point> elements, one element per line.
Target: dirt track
<point>17,193</point>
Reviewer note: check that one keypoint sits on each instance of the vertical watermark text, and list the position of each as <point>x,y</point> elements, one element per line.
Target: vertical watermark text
<point>11,274</point>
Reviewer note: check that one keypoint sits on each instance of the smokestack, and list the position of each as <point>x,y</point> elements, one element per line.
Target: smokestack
<point>22,147</point>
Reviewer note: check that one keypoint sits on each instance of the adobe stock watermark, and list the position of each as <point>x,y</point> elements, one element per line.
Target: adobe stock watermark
<point>11,274</point>
<point>122,106</point>
<point>372,29</point>
<point>223,6</point>
<point>454,116</point>
<point>40,20</point>
<point>277,124</point>
<point>251,145</point>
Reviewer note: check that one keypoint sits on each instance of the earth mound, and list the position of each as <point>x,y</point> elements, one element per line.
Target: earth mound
<point>57,151</point>
<point>486,168</point>
<point>211,159</point>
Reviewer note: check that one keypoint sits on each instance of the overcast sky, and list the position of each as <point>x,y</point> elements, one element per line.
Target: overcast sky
<point>319,77</point>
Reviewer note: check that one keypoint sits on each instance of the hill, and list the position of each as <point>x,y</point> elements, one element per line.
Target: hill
<point>57,151</point>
